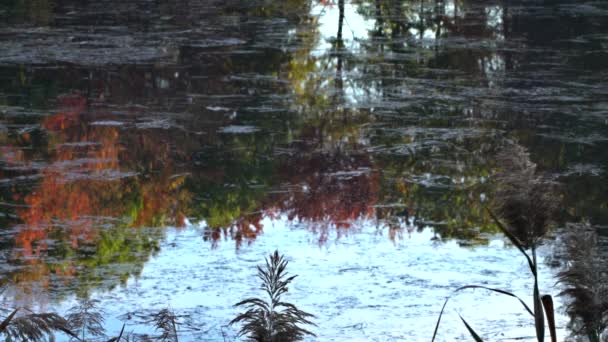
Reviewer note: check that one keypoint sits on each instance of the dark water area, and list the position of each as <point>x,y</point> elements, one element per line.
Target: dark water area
<point>125,125</point>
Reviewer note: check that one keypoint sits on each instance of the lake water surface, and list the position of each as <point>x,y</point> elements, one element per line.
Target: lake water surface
<point>153,152</point>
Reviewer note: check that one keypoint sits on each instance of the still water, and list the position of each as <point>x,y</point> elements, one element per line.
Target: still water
<point>153,152</point>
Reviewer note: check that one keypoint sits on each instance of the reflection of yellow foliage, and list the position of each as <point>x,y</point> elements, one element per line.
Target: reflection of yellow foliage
<point>306,72</point>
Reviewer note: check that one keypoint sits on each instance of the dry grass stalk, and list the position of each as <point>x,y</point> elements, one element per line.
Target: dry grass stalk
<point>33,327</point>
<point>526,202</point>
<point>585,280</point>
<point>86,319</point>
<point>166,322</point>
<point>273,320</point>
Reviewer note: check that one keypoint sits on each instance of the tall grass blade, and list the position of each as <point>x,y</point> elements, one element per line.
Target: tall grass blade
<point>8,320</point>
<point>514,240</point>
<point>550,312</point>
<point>497,291</point>
<point>86,318</point>
<point>272,319</point>
<point>117,338</point>
<point>465,287</point>
<point>539,318</point>
<point>166,322</point>
<point>471,331</point>
<point>585,279</point>
<point>439,319</point>
<point>37,327</point>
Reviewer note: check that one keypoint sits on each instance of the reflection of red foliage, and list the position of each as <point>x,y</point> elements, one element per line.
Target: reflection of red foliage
<point>334,190</point>
<point>329,191</point>
<point>71,107</point>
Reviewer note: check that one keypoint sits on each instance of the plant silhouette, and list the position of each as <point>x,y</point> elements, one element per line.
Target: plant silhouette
<point>87,319</point>
<point>273,320</point>
<point>33,327</point>
<point>526,202</point>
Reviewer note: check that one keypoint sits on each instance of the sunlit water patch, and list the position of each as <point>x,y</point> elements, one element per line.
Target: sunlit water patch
<point>363,148</point>
<point>361,286</point>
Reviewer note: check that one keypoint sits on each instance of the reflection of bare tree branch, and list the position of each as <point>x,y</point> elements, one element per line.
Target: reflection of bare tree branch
<point>340,19</point>
<point>379,19</point>
<point>339,51</point>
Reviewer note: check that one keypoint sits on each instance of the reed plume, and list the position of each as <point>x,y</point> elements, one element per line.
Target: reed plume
<point>33,327</point>
<point>166,322</point>
<point>273,320</point>
<point>86,319</point>
<point>525,201</point>
<point>585,280</point>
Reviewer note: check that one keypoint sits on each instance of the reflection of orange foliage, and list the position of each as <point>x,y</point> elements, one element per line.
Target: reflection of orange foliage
<point>71,107</point>
<point>27,239</point>
<point>160,197</point>
<point>11,155</point>
<point>54,199</point>
<point>70,203</point>
<point>55,203</point>
<point>83,182</point>
<point>35,273</point>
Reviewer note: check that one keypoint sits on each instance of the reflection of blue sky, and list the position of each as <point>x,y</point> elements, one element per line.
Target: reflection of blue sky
<point>495,14</point>
<point>361,286</point>
<point>356,34</point>
<point>355,29</point>
<point>355,26</point>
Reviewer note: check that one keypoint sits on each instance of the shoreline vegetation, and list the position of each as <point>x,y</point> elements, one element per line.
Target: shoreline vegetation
<point>526,203</point>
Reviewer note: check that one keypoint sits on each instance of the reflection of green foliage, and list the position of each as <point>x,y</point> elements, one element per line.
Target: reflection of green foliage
<point>305,73</point>
<point>289,8</point>
<point>453,209</point>
<point>443,183</point>
<point>245,178</point>
<point>36,88</point>
<point>119,252</point>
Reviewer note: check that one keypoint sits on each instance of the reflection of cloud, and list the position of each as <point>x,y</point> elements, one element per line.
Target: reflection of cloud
<point>493,67</point>
<point>495,14</point>
<point>356,27</point>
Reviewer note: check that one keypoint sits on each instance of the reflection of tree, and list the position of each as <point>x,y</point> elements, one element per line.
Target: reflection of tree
<point>83,214</point>
<point>454,156</point>
<point>382,127</point>
<point>329,190</point>
<point>229,192</point>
